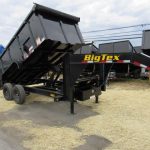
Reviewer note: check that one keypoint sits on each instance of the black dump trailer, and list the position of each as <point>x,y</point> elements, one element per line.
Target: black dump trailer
<point>146,42</point>
<point>124,68</point>
<point>46,43</point>
<point>134,59</point>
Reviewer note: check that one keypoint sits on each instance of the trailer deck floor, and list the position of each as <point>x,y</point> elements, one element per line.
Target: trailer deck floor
<point>120,122</point>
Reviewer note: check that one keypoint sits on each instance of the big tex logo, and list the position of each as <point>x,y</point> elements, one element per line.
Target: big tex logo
<point>100,58</point>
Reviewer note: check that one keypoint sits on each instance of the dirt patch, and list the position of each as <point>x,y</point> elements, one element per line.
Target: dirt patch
<point>119,122</point>
<point>94,142</point>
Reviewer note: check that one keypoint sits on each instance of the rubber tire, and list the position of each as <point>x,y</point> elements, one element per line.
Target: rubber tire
<point>1,85</point>
<point>19,94</point>
<point>8,87</point>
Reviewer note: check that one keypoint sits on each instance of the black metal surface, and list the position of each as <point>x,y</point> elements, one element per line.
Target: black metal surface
<point>85,94</point>
<point>138,49</point>
<point>42,60</point>
<point>87,49</point>
<point>41,24</point>
<point>116,47</point>
<point>57,14</point>
<point>142,59</point>
<point>44,91</point>
<point>145,40</point>
<point>129,53</point>
<point>81,81</point>
<point>46,43</point>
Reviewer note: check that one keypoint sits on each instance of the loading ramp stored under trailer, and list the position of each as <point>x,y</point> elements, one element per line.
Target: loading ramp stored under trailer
<point>46,43</point>
<point>135,57</point>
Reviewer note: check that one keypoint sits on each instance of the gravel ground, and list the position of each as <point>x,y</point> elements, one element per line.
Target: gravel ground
<point>121,121</point>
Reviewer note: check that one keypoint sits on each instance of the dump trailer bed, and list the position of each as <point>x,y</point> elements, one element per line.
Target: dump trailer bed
<point>41,24</point>
<point>42,57</point>
<point>45,58</point>
<point>135,59</point>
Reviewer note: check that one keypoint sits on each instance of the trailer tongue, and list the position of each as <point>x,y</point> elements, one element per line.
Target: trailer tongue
<point>46,42</point>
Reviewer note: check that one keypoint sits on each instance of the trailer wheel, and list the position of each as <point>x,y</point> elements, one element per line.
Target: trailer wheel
<point>19,94</point>
<point>1,85</point>
<point>7,91</point>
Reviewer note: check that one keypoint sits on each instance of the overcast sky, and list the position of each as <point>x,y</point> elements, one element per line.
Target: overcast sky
<point>94,14</point>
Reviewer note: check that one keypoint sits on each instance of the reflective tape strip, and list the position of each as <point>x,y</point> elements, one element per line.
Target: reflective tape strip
<point>43,39</point>
<point>38,41</point>
<point>145,55</point>
<point>109,61</point>
<point>126,61</point>
<point>120,61</point>
<point>31,49</point>
<point>123,61</point>
<point>148,68</point>
<point>136,63</point>
<point>89,61</point>
<point>143,66</point>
